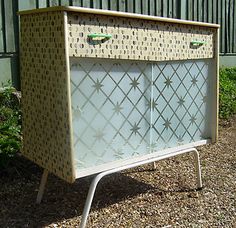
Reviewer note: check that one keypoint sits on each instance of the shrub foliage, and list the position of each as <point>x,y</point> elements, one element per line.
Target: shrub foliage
<point>10,125</point>
<point>227,92</point>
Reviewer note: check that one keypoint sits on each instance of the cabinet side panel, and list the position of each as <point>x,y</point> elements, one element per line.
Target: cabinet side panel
<point>44,78</point>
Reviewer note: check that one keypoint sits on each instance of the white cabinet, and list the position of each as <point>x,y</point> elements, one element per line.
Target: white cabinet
<point>105,89</point>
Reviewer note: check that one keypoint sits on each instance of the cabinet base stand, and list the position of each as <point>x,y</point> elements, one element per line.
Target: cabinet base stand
<point>99,176</point>
<point>42,186</point>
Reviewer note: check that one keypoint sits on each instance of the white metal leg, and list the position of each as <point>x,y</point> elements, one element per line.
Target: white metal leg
<point>154,165</point>
<point>42,186</point>
<point>197,168</point>
<point>98,177</point>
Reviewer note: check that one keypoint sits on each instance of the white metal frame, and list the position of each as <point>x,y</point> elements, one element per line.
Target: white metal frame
<point>126,162</point>
<point>99,176</point>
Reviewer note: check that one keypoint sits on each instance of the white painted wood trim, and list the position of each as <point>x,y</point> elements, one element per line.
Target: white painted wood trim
<point>215,103</point>
<point>69,93</point>
<point>166,153</point>
<point>116,14</point>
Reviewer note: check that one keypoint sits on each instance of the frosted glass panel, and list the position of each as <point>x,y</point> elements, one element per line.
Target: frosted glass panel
<point>111,114</point>
<point>181,98</point>
<point>123,109</point>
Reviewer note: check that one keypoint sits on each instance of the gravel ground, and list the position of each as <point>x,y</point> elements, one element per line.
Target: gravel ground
<point>141,197</point>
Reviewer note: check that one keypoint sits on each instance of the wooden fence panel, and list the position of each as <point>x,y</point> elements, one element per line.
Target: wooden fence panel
<point>114,5</point>
<point>159,8</point>
<point>138,6</point>
<point>231,21</point>
<point>9,27</point>
<point>234,27</point>
<point>2,33</point>
<point>214,11</point>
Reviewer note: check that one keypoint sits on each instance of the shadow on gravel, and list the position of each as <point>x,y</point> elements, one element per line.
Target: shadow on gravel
<point>61,200</point>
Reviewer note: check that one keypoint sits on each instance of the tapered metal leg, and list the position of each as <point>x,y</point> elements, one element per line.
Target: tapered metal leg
<point>97,178</point>
<point>197,168</point>
<point>89,199</point>
<point>42,186</point>
<point>154,165</point>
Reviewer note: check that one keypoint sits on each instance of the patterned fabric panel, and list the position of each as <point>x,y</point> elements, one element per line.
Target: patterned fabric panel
<point>137,39</point>
<point>45,95</point>
<point>126,109</point>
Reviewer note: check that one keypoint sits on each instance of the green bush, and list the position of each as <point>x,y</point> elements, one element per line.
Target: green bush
<point>227,92</point>
<point>10,125</point>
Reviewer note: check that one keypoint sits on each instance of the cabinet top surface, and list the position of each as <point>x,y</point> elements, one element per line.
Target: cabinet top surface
<point>116,14</point>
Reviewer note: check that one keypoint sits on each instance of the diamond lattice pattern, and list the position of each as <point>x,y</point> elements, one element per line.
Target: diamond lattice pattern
<point>122,109</point>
